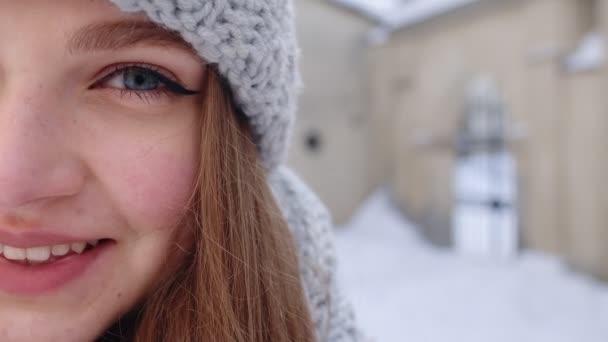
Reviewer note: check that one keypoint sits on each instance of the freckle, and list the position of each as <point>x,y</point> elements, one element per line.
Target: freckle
<point>119,294</point>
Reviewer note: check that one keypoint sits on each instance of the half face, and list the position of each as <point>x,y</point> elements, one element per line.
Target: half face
<point>98,158</point>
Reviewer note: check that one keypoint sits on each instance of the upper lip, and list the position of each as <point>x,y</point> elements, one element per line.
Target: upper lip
<point>39,237</point>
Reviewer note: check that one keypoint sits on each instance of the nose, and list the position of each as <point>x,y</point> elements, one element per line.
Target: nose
<point>35,164</point>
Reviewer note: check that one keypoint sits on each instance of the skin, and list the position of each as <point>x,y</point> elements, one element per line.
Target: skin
<point>87,159</point>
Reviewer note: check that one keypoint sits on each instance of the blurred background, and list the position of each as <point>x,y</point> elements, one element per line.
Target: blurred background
<point>460,146</point>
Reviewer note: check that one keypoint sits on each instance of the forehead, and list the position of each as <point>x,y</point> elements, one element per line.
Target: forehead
<point>80,25</point>
<point>63,12</point>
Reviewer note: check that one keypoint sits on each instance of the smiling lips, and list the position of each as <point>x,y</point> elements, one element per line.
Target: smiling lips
<point>45,262</point>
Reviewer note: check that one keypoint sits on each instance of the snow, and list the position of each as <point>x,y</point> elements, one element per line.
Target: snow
<point>404,290</point>
<point>420,10</point>
<point>590,54</point>
<point>401,13</point>
<point>375,6</point>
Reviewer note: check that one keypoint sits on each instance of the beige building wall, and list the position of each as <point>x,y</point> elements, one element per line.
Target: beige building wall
<point>420,79</point>
<point>586,219</point>
<point>588,163</point>
<point>551,31</point>
<point>334,107</point>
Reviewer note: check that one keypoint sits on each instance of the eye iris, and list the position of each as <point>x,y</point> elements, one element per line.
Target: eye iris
<point>136,79</point>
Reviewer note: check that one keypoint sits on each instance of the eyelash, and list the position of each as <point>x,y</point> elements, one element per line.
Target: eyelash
<point>167,86</point>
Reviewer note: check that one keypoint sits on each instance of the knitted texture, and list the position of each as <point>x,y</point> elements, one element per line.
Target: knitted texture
<point>253,44</point>
<point>310,225</point>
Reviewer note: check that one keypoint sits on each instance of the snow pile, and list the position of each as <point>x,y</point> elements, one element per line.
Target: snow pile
<point>400,13</point>
<point>404,290</point>
<point>589,55</point>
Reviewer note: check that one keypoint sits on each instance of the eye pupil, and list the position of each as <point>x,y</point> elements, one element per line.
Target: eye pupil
<point>138,79</point>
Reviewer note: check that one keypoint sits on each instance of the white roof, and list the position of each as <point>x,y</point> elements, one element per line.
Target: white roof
<point>395,14</point>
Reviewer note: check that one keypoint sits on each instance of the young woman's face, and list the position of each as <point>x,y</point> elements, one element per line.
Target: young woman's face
<point>98,142</point>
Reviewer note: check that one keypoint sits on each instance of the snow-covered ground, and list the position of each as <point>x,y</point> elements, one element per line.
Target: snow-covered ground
<point>405,290</point>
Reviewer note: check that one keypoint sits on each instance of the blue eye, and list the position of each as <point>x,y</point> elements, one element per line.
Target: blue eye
<point>141,79</point>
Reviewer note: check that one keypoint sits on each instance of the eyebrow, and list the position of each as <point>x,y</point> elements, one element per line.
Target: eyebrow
<point>122,34</point>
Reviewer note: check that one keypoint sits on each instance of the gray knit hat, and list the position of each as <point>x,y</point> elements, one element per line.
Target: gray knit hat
<point>253,44</point>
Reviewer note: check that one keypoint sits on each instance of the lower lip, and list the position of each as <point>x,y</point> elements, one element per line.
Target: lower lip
<point>37,279</point>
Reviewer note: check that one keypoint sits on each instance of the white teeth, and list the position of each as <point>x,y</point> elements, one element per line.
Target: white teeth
<point>60,250</point>
<point>13,253</point>
<point>43,253</point>
<point>79,247</point>
<point>38,253</point>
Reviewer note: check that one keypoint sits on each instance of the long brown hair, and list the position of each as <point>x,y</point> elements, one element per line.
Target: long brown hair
<point>239,281</point>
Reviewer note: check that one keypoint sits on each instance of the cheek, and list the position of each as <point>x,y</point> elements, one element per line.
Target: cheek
<point>143,167</point>
<point>149,185</point>
<point>158,189</point>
